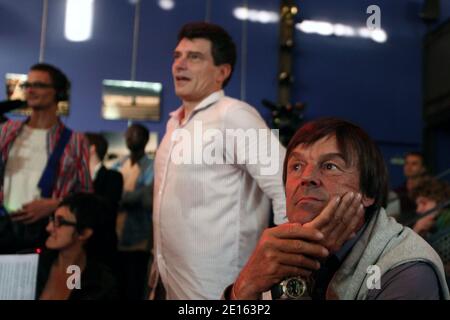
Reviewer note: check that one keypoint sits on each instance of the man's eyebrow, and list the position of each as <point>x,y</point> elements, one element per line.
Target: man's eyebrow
<point>329,156</point>
<point>295,154</point>
<point>196,52</point>
<point>326,156</point>
<point>188,52</point>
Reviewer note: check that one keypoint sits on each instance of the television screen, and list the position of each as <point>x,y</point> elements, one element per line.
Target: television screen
<point>137,100</point>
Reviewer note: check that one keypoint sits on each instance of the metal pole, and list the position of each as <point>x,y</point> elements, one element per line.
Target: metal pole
<point>244,43</point>
<point>43,30</point>
<point>208,11</point>
<point>135,40</point>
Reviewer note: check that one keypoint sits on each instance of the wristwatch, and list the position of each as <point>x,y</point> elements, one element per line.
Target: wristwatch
<point>293,288</point>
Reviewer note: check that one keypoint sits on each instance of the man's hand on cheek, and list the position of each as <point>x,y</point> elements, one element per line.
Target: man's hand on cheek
<point>339,220</point>
<point>283,251</point>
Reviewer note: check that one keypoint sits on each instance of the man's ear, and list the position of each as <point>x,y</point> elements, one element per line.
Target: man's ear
<point>366,201</point>
<point>224,72</point>
<point>85,234</point>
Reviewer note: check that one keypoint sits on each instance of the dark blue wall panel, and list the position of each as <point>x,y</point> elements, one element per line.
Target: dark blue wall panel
<point>262,57</point>
<point>20,36</point>
<point>221,12</point>
<point>377,85</point>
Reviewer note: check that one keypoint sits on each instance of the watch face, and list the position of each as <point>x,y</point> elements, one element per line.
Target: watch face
<point>295,288</point>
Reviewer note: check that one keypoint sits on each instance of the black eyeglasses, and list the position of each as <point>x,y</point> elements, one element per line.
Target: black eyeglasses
<point>35,85</point>
<point>60,221</point>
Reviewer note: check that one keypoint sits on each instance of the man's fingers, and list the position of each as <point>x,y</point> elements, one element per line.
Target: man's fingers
<point>296,246</point>
<point>292,271</point>
<point>339,222</point>
<point>25,217</point>
<point>348,229</point>
<point>31,219</point>
<point>296,231</point>
<point>326,215</point>
<point>299,260</point>
<point>356,220</point>
<point>21,217</point>
<point>347,207</point>
<point>344,214</point>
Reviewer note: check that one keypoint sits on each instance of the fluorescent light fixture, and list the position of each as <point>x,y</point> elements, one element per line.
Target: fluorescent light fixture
<point>344,31</point>
<point>166,4</point>
<point>266,17</point>
<point>259,16</point>
<point>379,35</point>
<point>325,28</point>
<point>319,27</point>
<point>364,33</point>
<point>79,15</point>
<point>240,13</point>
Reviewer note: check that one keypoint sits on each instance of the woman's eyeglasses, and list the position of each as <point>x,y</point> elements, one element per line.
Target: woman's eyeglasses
<point>35,85</point>
<point>60,221</point>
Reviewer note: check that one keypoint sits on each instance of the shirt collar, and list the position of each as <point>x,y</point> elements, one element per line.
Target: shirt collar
<point>208,101</point>
<point>52,130</point>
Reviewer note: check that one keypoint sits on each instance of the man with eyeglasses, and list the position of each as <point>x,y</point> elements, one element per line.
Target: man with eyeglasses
<point>41,161</point>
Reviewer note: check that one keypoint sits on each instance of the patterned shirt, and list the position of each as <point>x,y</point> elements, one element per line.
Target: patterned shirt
<point>73,172</point>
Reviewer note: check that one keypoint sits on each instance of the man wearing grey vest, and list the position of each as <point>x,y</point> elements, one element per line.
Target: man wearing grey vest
<point>339,242</point>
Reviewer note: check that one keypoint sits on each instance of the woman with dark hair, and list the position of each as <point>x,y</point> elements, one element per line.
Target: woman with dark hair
<point>69,268</point>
